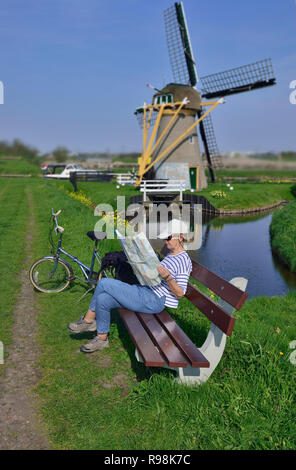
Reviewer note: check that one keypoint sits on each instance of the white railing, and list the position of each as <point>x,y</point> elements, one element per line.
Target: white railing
<point>162,186</point>
<point>125,178</point>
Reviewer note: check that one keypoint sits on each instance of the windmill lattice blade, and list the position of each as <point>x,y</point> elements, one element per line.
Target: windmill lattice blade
<point>214,152</point>
<point>139,113</point>
<point>246,78</point>
<point>179,46</point>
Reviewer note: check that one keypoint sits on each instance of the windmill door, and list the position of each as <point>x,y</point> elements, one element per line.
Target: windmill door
<point>194,175</point>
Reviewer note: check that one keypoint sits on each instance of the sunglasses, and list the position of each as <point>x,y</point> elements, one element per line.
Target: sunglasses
<point>169,238</point>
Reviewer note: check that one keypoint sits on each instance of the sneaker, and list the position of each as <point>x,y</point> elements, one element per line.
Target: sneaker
<point>81,325</point>
<point>96,344</point>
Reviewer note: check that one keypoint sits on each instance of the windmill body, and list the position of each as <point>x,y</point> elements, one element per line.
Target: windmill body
<point>185,159</point>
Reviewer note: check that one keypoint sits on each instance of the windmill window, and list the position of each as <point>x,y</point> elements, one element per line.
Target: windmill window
<point>163,99</point>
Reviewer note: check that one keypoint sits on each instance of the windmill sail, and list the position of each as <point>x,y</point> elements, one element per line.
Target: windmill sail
<point>184,72</point>
<point>179,46</point>
<point>238,80</point>
<point>210,144</point>
<point>246,78</point>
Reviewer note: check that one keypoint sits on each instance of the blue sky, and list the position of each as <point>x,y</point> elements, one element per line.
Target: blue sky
<point>74,71</point>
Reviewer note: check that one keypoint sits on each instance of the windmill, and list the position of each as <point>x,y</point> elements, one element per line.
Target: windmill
<point>170,139</point>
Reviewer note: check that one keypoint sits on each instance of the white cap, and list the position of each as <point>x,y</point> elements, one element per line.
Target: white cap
<point>175,227</point>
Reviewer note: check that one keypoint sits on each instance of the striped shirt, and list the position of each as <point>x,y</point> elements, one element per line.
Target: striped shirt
<point>180,267</point>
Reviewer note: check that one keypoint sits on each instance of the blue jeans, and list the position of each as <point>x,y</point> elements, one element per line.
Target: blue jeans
<point>111,293</point>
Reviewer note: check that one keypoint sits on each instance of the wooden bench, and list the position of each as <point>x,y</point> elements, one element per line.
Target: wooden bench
<point>162,186</point>
<point>160,342</point>
<point>92,176</point>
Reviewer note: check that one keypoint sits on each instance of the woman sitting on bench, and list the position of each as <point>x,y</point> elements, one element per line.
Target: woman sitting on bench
<point>112,293</point>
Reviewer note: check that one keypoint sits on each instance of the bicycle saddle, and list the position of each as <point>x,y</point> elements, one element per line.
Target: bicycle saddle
<point>94,236</point>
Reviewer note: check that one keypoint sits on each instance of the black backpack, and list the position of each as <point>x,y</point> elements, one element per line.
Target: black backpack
<point>117,263</point>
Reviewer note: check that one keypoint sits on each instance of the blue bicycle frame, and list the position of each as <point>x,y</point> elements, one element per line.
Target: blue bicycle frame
<point>86,270</point>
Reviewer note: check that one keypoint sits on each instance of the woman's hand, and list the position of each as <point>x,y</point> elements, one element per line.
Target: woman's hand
<point>173,286</point>
<point>164,273</point>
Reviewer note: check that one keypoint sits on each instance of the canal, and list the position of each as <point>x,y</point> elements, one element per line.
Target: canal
<point>234,247</point>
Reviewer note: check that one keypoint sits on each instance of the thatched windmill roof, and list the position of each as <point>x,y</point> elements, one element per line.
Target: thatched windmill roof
<point>180,92</point>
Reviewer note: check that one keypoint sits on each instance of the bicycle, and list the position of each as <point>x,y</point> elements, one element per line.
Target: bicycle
<point>53,274</point>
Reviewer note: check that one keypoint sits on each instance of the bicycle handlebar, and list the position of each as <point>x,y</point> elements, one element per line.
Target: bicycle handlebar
<point>58,228</point>
<point>58,212</point>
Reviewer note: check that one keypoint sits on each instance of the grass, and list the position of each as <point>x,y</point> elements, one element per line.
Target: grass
<point>21,167</point>
<point>13,222</point>
<point>253,173</point>
<point>243,196</point>
<point>247,195</point>
<point>109,401</point>
<point>283,235</point>
<point>99,193</point>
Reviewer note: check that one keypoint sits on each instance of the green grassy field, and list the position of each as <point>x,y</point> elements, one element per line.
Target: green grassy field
<point>243,196</point>
<point>109,401</point>
<point>247,195</point>
<point>252,173</point>
<point>99,193</point>
<point>283,235</point>
<point>13,222</point>
<point>22,167</point>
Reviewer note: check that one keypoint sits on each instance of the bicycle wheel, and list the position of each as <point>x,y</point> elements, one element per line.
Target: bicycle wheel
<point>46,278</point>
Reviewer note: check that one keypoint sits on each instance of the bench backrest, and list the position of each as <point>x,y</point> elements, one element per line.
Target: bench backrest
<point>226,291</point>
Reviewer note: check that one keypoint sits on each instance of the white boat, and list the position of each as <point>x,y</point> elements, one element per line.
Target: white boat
<point>65,174</point>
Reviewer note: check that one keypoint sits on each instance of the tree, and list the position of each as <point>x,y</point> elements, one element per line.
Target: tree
<point>18,149</point>
<point>288,155</point>
<point>61,154</point>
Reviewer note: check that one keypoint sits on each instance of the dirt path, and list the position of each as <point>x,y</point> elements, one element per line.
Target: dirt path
<point>20,424</point>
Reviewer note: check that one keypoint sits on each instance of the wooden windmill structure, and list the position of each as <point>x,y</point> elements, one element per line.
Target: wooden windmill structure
<point>171,143</point>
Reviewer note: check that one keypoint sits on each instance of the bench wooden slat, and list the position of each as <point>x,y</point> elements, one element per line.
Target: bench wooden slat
<point>169,350</point>
<point>231,294</point>
<point>210,309</point>
<point>194,356</point>
<point>141,339</point>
